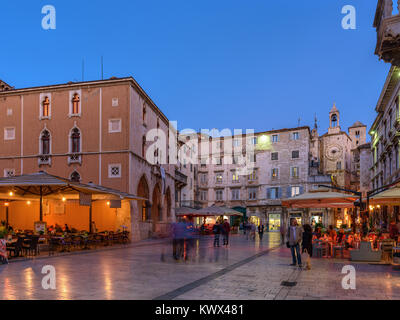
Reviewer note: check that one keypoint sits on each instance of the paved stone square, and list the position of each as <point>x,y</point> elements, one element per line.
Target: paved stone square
<point>246,270</point>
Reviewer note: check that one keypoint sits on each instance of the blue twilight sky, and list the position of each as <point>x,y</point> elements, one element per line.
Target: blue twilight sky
<point>256,64</point>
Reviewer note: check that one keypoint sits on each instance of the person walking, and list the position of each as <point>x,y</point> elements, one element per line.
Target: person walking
<point>253,231</point>
<point>217,232</point>
<point>294,237</point>
<point>226,229</point>
<point>261,231</point>
<point>178,239</point>
<point>307,245</point>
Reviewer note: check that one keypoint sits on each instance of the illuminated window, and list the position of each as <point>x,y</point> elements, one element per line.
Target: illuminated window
<point>219,178</point>
<point>275,173</point>
<point>76,104</point>
<point>295,191</point>
<point>46,107</point>
<point>294,172</point>
<point>235,177</point>
<point>253,176</point>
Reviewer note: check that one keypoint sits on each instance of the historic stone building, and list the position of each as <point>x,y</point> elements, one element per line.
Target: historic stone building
<point>282,168</point>
<point>91,132</point>
<point>385,133</point>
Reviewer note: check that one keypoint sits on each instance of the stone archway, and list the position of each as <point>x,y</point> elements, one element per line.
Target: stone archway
<point>156,213</point>
<point>144,206</point>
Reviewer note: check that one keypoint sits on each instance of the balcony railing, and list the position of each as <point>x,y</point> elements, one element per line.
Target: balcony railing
<point>44,160</point>
<point>74,158</point>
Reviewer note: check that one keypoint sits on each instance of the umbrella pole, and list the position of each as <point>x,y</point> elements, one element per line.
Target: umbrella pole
<point>41,204</point>
<point>7,217</point>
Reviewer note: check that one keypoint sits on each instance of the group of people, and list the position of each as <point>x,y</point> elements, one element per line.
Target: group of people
<point>296,236</point>
<point>224,229</point>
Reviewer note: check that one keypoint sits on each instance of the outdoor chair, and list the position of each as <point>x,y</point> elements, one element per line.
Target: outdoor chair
<point>387,249</point>
<point>125,237</point>
<point>32,248</point>
<point>54,244</point>
<point>77,241</point>
<point>16,248</point>
<point>338,248</point>
<point>322,249</point>
<point>66,244</point>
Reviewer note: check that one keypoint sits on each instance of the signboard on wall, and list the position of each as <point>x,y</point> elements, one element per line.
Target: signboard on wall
<point>59,207</point>
<point>40,227</point>
<point>85,200</point>
<point>115,204</point>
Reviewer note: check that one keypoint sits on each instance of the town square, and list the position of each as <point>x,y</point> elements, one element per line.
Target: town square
<point>193,151</point>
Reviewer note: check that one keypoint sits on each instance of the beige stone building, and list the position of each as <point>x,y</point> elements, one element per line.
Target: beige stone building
<point>91,132</point>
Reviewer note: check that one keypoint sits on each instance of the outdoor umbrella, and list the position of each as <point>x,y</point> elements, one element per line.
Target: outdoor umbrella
<point>387,197</point>
<point>321,200</point>
<point>220,211</point>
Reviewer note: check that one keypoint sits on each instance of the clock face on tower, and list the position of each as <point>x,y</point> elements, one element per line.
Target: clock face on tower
<point>334,152</point>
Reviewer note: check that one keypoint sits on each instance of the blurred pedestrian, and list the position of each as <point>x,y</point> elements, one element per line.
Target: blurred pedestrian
<point>283,234</point>
<point>178,239</point>
<point>226,229</point>
<point>217,232</point>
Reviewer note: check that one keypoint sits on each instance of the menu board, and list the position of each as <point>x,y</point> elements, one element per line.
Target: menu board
<point>40,227</point>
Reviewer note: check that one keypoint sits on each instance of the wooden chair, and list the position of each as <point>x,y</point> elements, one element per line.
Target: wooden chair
<point>32,248</point>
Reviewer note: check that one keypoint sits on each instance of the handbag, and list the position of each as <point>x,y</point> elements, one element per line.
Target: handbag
<point>287,245</point>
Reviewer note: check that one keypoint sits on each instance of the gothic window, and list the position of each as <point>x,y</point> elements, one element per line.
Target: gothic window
<point>45,142</point>
<point>75,177</point>
<point>75,141</point>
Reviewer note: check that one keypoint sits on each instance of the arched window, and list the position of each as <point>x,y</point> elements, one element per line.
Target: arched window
<point>334,121</point>
<point>46,107</point>
<point>75,177</point>
<point>75,141</point>
<point>45,142</point>
<point>76,103</point>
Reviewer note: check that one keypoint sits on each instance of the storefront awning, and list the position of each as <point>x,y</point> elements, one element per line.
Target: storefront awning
<point>321,200</point>
<point>387,197</point>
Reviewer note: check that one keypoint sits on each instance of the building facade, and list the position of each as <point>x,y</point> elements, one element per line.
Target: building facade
<point>91,132</point>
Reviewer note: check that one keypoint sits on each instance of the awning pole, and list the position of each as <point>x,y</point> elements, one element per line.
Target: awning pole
<point>90,219</point>
<point>7,217</point>
<point>41,204</point>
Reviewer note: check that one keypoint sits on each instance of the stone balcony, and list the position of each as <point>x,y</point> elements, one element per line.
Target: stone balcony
<point>387,24</point>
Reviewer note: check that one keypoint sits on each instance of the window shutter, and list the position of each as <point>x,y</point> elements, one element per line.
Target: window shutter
<point>289,192</point>
<point>301,190</point>
<point>279,193</point>
<point>269,193</point>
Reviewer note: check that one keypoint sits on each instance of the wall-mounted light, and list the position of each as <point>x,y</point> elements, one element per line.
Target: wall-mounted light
<point>28,203</point>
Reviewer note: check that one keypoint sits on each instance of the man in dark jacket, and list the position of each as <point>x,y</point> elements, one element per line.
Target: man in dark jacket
<point>217,232</point>
<point>226,229</point>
